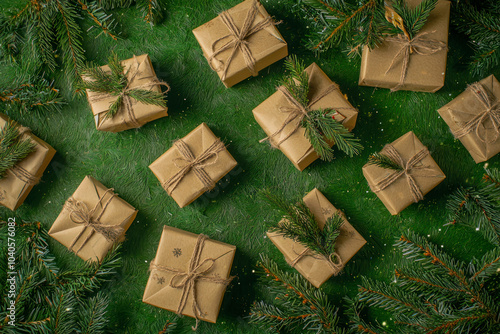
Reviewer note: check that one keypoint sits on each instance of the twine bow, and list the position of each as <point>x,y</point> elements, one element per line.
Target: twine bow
<point>417,44</point>
<point>336,265</point>
<point>238,40</point>
<point>196,271</point>
<point>20,172</point>
<point>82,215</point>
<point>491,111</point>
<point>188,162</point>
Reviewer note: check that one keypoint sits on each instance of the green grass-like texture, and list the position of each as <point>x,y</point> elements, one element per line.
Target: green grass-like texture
<point>233,213</point>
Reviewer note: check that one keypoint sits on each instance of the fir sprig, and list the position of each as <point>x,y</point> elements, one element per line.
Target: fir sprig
<point>13,149</point>
<point>30,94</point>
<point>383,161</point>
<point>414,19</point>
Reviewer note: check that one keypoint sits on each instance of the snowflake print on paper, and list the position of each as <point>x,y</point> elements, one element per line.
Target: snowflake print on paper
<point>160,280</point>
<point>177,252</point>
<point>326,211</point>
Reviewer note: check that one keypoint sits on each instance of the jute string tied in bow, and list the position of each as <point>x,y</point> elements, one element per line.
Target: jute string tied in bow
<point>82,215</point>
<point>186,280</point>
<point>336,265</point>
<point>491,111</point>
<point>20,172</point>
<point>418,44</point>
<point>239,40</point>
<point>188,162</point>
<point>407,169</point>
<point>127,100</point>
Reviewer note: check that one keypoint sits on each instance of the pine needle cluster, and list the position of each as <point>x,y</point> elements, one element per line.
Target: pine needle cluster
<point>298,304</point>
<point>478,207</point>
<point>12,148</point>
<point>152,11</point>
<point>383,161</point>
<point>433,292</point>
<point>114,83</point>
<point>320,126</point>
<point>48,298</point>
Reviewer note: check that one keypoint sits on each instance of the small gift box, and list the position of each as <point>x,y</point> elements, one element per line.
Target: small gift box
<point>420,66</point>
<point>474,118</point>
<point>315,267</point>
<point>240,42</point>
<point>132,113</point>
<point>273,115</point>
<point>18,181</point>
<point>189,274</point>
<point>416,174</point>
<point>93,219</point>
<point>193,165</point>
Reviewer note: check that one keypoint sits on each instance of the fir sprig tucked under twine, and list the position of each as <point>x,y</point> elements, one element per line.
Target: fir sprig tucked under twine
<point>12,148</point>
<point>383,161</point>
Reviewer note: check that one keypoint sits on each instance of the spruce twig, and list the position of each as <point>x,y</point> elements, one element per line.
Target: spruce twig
<point>383,161</point>
<point>12,148</point>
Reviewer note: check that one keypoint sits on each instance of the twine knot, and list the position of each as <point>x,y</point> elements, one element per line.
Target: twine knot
<point>335,264</point>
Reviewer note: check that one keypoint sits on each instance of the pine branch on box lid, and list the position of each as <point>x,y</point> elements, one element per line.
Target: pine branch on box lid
<point>383,161</point>
<point>12,148</point>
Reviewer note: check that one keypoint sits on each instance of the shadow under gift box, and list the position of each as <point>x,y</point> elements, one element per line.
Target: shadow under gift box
<point>69,228</point>
<point>425,73</point>
<point>175,252</point>
<point>464,108</point>
<point>266,46</point>
<point>398,195</point>
<point>143,113</point>
<point>314,268</point>
<point>190,187</point>
<point>13,190</point>
<point>297,147</point>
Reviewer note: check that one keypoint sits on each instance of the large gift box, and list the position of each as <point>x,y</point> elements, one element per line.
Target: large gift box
<point>93,219</point>
<point>17,183</point>
<point>384,66</point>
<point>418,174</point>
<point>323,94</point>
<point>314,267</point>
<point>132,114</point>
<point>240,42</point>
<point>474,118</point>
<point>193,165</point>
<point>189,274</point>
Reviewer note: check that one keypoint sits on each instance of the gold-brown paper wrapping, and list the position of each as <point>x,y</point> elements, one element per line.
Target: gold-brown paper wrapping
<point>267,45</point>
<point>174,251</point>
<point>465,107</point>
<point>315,268</point>
<point>118,212</point>
<point>297,148</point>
<point>398,196</point>
<point>190,187</point>
<point>14,191</point>
<point>143,113</point>
<point>425,73</point>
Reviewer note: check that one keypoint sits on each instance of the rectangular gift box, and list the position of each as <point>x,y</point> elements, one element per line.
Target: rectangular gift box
<point>425,73</point>
<point>464,108</point>
<point>13,191</point>
<point>175,253</point>
<point>297,147</point>
<point>266,46</point>
<point>110,210</point>
<point>143,113</point>
<point>317,270</point>
<point>398,196</point>
<point>190,186</point>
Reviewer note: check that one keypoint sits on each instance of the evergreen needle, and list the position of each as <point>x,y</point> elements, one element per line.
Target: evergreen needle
<point>12,148</point>
<point>383,161</point>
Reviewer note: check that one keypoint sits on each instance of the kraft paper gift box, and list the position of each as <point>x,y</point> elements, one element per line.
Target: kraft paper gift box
<point>474,118</point>
<point>135,115</point>
<point>262,43</point>
<point>425,73</point>
<point>193,165</point>
<point>17,183</point>
<point>314,267</point>
<point>170,285</point>
<point>394,188</point>
<point>297,147</point>
<point>109,217</point>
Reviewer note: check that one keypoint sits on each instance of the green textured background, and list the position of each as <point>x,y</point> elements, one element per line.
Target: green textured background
<point>232,213</point>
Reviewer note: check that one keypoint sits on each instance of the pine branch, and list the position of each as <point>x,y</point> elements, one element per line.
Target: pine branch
<point>383,161</point>
<point>12,148</point>
<point>297,80</point>
<point>414,19</point>
<point>34,93</point>
<point>102,20</point>
<point>152,10</point>
<point>92,319</point>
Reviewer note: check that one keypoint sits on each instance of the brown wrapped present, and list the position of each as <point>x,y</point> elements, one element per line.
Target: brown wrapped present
<point>474,118</point>
<point>419,66</point>
<point>240,42</point>
<point>419,173</point>
<point>314,267</point>
<point>93,219</point>
<point>280,118</point>
<point>132,114</point>
<point>193,165</point>
<point>189,274</point>
<point>17,183</point>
